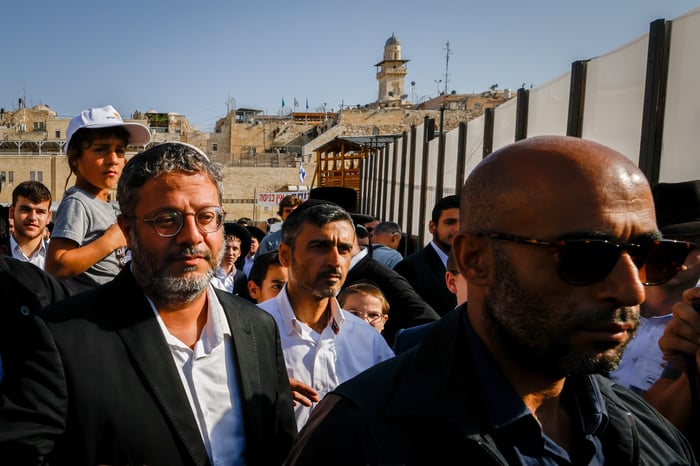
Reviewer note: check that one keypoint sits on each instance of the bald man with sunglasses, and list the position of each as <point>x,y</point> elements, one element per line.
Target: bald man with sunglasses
<point>557,242</point>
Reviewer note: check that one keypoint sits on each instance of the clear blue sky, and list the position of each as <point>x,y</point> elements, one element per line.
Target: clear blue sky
<point>191,57</point>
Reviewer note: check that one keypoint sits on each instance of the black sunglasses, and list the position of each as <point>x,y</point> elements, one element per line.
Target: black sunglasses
<point>583,262</point>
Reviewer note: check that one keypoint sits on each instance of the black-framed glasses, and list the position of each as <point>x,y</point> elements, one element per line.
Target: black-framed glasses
<point>168,222</point>
<point>585,261</point>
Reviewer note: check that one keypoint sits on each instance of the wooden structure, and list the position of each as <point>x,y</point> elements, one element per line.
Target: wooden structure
<point>339,161</point>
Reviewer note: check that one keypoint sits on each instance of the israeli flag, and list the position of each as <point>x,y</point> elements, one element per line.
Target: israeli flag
<point>302,173</point>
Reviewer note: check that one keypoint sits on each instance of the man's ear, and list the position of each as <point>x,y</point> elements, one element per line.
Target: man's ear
<point>285,254</point>
<point>126,227</point>
<point>472,257</point>
<point>253,290</point>
<point>450,282</point>
<point>432,226</point>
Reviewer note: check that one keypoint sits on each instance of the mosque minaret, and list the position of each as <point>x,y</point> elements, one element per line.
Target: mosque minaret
<point>391,73</point>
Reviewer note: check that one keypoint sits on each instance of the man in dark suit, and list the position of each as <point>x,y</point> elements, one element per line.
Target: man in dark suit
<point>156,367</point>
<point>425,269</point>
<point>555,277</point>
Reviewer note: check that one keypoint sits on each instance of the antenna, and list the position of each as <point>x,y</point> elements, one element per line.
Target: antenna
<point>447,63</point>
<point>230,104</point>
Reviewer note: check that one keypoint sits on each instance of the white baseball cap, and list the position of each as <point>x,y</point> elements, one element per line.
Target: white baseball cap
<point>105,117</point>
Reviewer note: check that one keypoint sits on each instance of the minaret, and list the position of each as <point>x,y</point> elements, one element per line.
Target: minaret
<point>391,73</point>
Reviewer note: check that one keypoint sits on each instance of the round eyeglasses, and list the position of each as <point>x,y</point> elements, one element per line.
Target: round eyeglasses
<point>370,317</point>
<point>168,222</point>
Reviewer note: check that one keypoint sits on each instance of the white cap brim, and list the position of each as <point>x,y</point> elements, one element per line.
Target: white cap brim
<point>139,135</point>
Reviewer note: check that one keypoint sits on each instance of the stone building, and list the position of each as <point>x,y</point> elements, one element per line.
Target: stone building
<point>391,73</point>
<point>260,153</point>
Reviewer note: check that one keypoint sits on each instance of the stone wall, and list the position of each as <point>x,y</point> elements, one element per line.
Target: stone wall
<point>241,184</point>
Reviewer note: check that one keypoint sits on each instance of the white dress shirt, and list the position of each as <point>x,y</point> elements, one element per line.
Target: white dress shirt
<point>347,346</point>
<point>37,258</point>
<point>208,374</point>
<point>222,280</point>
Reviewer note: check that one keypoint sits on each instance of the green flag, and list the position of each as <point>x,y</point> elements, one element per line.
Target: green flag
<point>282,102</point>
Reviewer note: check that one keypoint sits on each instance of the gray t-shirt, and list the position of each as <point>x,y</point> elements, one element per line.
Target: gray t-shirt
<point>83,218</point>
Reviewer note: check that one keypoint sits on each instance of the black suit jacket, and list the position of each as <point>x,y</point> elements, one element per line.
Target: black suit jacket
<point>24,290</point>
<point>99,386</point>
<point>426,273</point>
<point>425,407</point>
<point>406,307</point>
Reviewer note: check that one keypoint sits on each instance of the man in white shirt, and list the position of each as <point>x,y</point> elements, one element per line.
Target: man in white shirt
<point>30,212</point>
<point>323,345</point>
<point>156,366</point>
<point>256,236</point>
<point>228,276</point>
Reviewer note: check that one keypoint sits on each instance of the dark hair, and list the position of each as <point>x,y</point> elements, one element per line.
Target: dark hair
<point>261,265</point>
<point>318,213</point>
<point>83,138</point>
<point>447,202</point>
<point>289,200</point>
<point>244,221</point>
<point>32,190</point>
<point>170,157</point>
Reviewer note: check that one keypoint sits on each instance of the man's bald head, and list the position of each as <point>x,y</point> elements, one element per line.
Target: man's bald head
<point>549,178</point>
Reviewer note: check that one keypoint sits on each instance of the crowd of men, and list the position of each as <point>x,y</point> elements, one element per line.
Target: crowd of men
<point>549,320</point>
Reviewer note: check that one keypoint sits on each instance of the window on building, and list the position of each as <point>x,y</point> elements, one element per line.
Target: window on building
<point>214,147</point>
<point>38,125</point>
<point>58,134</point>
<point>31,176</point>
<point>477,106</point>
<point>11,177</point>
<point>40,176</point>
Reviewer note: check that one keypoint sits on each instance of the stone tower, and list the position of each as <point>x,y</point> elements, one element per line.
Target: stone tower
<point>391,72</point>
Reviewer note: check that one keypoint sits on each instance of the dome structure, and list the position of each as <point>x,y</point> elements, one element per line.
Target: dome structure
<point>392,40</point>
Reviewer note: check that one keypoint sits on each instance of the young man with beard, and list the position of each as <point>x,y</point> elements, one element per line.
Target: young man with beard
<point>557,240</point>
<point>155,367</point>
<point>323,344</point>
<point>425,269</point>
<point>31,212</point>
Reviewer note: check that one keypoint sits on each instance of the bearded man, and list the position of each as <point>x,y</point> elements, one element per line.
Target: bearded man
<point>557,240</point>
<point>155,367</point>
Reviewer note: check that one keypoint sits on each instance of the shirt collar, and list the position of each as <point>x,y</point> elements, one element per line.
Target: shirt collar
<point>213,332</point>
<point>504,407</point>
<point>292,324</point>
<point>358,257</point>
<point>17,251</point>
<point>441,254</point>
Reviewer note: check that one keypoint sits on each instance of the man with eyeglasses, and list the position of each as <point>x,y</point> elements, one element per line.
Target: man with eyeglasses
<point>156,366</point>
<point>557,241</point>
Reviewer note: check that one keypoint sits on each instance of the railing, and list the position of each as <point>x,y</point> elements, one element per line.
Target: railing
<point>641,99</point>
